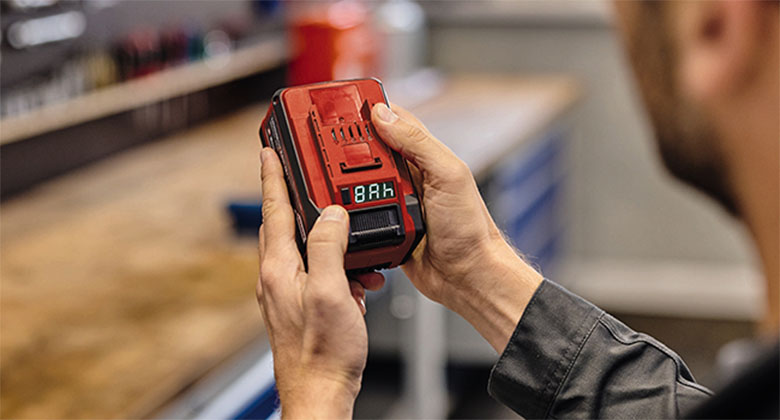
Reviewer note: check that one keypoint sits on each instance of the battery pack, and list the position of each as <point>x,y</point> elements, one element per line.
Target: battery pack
<point>331,154</point>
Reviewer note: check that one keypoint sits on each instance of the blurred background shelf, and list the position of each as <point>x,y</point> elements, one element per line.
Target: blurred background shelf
<point>264,55</point>
<point>536,13</point>
<point>83,80</point>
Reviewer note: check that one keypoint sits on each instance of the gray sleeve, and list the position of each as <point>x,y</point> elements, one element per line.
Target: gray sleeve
<point>569,359</point>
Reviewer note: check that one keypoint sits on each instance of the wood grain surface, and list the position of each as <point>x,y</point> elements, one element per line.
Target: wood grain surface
<point>122,283</point>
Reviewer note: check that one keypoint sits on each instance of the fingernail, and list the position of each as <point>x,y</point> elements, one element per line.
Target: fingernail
<point>385,114</point>
<point>362,305</point>
<point>333,213</point>
<point>264,154</point>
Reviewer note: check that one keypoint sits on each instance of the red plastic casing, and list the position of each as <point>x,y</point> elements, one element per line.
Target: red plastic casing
<point>328,146</point>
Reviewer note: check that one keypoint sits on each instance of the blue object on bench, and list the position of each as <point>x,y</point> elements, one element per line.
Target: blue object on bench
<point>246,216</point>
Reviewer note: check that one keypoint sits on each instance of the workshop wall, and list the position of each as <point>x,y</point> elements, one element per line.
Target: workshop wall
<point>623,204</point>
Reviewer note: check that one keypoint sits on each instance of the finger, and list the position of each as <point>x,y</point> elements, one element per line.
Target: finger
<point>359,294</point>
<point>280,260</point>
<point>326,246</point>
<point>408,116</point>
<point>261,242</point>
<point>260,253</point>
<point>370,281</point>
<point>417,180</point>
<point>412,142</point>
<point>260,293</point>
<point>278,218</point>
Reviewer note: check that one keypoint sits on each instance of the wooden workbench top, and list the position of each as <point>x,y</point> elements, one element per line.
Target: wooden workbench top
<point>122,282</point>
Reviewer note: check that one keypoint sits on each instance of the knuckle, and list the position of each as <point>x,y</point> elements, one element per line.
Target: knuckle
<point>324,237</point>
<point>325,231</point>
<point>462,170</point>
<point>324,300</point>
<point>259,290</point>
<point>456,171</point>
<point>415,134</point>
<point>268,272</point>
<point>271,206</point>
<point>270,203</point>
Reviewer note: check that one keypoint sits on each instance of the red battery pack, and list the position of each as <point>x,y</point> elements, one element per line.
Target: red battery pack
<point>331,154</point>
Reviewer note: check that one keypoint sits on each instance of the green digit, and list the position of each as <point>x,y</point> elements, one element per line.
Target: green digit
<point>360,193</point>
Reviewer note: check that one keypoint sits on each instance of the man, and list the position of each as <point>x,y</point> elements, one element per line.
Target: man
<point>708,72</point>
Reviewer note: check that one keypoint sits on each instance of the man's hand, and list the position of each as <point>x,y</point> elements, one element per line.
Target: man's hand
<point>314,319</point>
<point>463,262</point>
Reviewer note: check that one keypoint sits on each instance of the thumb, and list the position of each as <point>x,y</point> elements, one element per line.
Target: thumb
<point>413,142</point>
<point>325,248</point>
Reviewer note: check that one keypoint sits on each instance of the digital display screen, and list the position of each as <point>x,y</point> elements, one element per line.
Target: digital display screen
<point>373,192</point>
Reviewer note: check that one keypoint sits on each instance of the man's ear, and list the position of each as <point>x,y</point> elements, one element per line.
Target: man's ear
<point>719,46</point>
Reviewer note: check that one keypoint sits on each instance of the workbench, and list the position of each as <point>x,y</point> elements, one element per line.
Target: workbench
<point>122,282</point>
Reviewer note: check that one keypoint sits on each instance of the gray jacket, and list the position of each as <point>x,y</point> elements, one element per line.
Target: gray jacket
<point>569,359</point>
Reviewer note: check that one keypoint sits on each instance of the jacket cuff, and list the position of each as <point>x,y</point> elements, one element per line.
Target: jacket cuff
<point>542,350</point>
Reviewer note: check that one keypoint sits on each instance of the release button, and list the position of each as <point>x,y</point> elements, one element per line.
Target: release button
<point>358,154</point>
<point>359,157</point>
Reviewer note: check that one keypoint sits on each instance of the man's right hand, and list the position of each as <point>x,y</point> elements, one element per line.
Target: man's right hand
<point>463,262</point>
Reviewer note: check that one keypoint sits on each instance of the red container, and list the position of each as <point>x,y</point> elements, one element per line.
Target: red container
<point>331,41</point>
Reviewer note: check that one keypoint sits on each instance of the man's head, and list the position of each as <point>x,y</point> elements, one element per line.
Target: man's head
<point>708,73</point>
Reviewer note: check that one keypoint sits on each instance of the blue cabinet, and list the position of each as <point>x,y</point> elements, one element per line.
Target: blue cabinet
<point>524,195</point>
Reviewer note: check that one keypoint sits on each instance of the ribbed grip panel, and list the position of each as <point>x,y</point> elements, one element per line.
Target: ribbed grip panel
<point>371,220</point>
<point>374,228</point>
